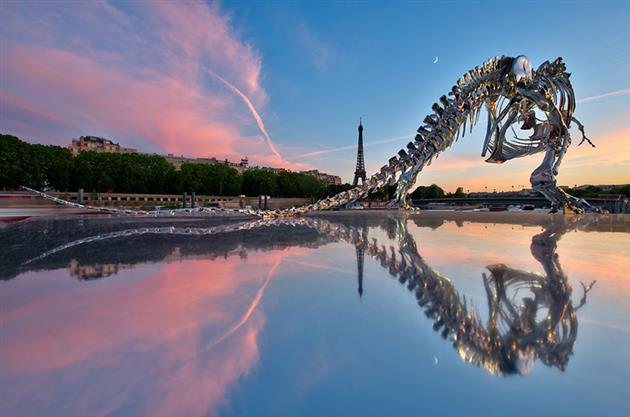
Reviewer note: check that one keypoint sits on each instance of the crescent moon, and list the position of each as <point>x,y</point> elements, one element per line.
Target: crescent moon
<point>435,60</point>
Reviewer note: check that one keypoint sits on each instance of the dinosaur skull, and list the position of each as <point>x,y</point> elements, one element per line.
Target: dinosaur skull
<point>503,140</point>
<point>521,68</point>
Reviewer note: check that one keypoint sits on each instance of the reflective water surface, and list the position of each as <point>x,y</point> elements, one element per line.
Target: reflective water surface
<point>345,314</point>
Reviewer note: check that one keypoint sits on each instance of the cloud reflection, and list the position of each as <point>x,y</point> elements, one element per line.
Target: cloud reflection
<point>169,341</point>
<point>173,338</point>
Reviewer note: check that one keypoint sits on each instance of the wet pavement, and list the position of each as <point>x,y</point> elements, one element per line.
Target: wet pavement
<point>348,313</point>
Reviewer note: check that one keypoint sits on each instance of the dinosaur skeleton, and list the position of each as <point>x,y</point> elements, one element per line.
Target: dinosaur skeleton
<point>541,100</point>
<point>512,338</point>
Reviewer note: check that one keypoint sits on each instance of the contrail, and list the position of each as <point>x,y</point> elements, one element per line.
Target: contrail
<point>348,147</point>
<point>621,92</point>
<point>251,108</point>
<point>251,308</point>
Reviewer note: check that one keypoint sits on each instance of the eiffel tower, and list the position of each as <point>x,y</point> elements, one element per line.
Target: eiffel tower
<point>360,171</point>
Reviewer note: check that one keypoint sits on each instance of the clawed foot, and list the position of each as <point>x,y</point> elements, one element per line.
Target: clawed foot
<point>400,205</point>
<point>394,204</point>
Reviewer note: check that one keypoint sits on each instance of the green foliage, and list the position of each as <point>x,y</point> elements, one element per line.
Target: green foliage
<point>332,190</point>
<point>123,173</point>
<point>281,184</point>
<point>36,166</point>
<point>13,154</point>
<point>386,193</point>
<point>217,179</point>
<point>308,186</point>
<point>432,191</point>
<point>593,191</point>
<point>53,167</point>
<point>459,193</point>
<point>259,181</point>
<point>589,191</point>
<point>622,189</point>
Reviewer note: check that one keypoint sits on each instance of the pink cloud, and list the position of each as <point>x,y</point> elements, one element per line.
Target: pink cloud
<point>124,79</point>
<point>168,339</point>
<point>200,32</point>
<point>164,111</point>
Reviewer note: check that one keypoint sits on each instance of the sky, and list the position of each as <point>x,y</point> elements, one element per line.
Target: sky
<point>285,83</point>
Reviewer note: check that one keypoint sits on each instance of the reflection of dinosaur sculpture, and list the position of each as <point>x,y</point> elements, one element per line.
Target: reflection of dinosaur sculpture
<point>542,100</point>
<point>513,335</point>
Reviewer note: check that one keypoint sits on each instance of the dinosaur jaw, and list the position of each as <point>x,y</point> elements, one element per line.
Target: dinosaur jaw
<point>516,128</point>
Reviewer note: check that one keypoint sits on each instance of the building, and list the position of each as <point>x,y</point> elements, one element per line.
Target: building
<point>178,161</point>
<point>323,177</point>
<point>97,144</point>
<point>95,271</point>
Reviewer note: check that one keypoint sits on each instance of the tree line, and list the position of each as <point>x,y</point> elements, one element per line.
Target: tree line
<point>595,191</point>
<point>435,191</point>
<point>48,167</point>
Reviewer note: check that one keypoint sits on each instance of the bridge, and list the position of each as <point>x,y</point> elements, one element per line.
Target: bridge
<point>614,204</point>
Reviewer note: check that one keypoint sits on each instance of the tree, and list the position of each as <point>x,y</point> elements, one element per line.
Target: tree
<point>432,191</point>
<point>459,193</point>
<point>387,192</point>
<point>14,161</point>
<point>309,186</point>
<point>192,178</point>
<point>259,182</point>
<point>288,184</point>
<point>333,189</point>
<point>622,189</point>
<point>44,167</point>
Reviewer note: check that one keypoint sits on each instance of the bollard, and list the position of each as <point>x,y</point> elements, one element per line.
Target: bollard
<point>192,200</point>
<point>184,198</point>
<point>80,196</point>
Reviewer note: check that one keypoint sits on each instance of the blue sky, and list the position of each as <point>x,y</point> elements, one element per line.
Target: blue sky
<point>309,71</point>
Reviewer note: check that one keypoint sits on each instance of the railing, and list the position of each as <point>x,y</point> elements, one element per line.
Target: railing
<point>167,200</point>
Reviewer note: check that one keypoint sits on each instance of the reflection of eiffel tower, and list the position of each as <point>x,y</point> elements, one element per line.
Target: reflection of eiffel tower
<point>360,253</point>
<point>360,171</point>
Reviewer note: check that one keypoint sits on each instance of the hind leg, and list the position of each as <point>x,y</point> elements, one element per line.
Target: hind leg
<point>543,180</point>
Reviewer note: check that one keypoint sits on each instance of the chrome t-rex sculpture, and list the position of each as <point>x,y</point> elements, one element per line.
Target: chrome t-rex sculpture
<point>541,100</point>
